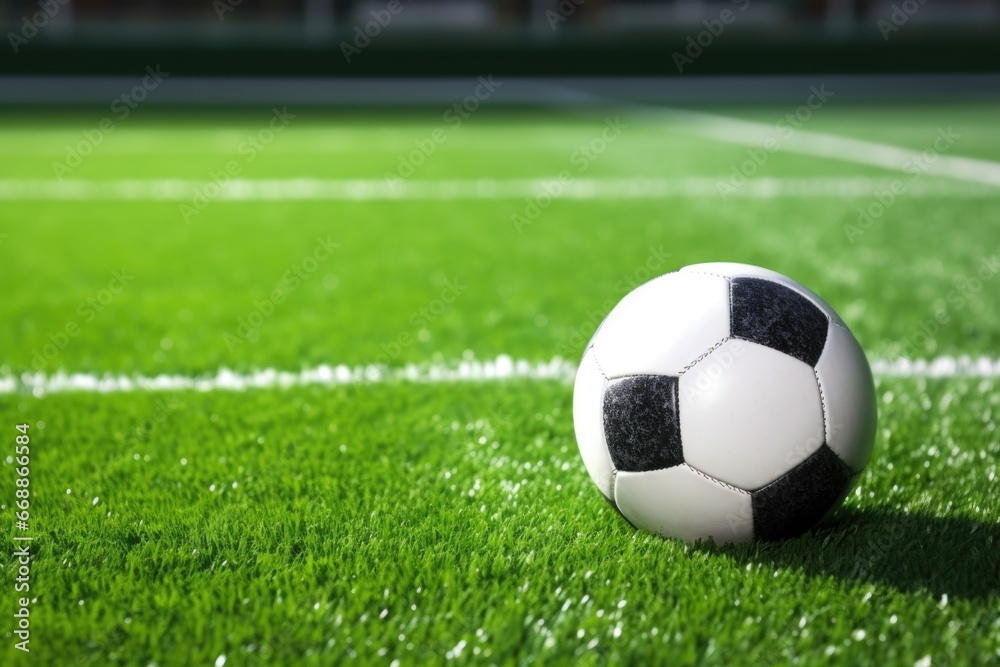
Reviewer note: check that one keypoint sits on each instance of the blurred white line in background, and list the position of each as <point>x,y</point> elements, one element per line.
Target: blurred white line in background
<point>294,189</point>
<point>844,149</point>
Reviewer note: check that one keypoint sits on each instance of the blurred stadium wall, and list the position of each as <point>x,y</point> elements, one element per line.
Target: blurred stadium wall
<point>54,49</point>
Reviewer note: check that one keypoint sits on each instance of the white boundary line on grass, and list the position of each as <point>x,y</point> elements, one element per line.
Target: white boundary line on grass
<point>819,144</point>
<point>501,369</point>
<point>292,189</point>
<point>727,129</point>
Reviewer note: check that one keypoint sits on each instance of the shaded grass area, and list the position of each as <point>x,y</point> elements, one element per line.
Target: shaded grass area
<point>414,522</point>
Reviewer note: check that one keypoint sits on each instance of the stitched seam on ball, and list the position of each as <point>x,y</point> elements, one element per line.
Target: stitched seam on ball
<point>704,354</point>
<point>648,282</point>
<point>709,273</point>
<point>717,481</point>
<point>653,280</point>
<point>822,405</point>
<point>838,324</point>
<point>598,364</point>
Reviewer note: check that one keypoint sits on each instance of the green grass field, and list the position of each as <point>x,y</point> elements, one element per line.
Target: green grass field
<point>411,523</point>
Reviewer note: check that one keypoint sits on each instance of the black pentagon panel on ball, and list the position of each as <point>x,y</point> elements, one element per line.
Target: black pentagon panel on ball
<point>641,422</point>
<point>764,312</point>
<point>793,503</point>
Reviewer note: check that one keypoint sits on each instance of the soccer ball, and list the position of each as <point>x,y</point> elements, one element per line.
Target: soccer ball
<point>724,402</point>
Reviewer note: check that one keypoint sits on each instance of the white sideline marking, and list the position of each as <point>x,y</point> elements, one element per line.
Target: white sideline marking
<point>939,367</point>
<point>816,144</point>
<point>501,369</point>
<point>857,151</point>
<point>846,149</point>
<point>289,189</point>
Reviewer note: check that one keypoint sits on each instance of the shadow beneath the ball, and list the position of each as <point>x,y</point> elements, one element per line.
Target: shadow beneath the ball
<point>959,557</point>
